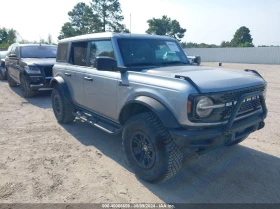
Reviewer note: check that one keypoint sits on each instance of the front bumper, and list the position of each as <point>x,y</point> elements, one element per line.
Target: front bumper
<point>36,82</point>
<point>222,135</point>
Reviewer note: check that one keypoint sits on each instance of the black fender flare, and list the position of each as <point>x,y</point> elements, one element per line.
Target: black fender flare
<point>161,111</point>
<point>58,80</point>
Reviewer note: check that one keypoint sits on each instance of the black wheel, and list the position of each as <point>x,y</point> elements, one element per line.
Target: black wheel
<point>25,89</point>
<point>198,60</point>
<point>11,82</point>
<point>2,75</point>
<point>5,74</point>
<point>61,107</point>
<point>149,148</point>
<point>237,141</point>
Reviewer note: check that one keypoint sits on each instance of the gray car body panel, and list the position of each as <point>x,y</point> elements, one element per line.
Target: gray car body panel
<point>157,83</point>
<point>210,79</point>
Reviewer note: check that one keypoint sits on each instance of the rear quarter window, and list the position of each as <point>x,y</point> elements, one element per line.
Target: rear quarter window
<point>62,52</point>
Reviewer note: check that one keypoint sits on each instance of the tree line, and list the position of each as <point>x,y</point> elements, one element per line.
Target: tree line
<point>10,36</point>
<point>106,15</point>
<point>241,38</point>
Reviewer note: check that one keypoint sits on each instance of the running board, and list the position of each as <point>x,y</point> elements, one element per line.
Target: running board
<point>98,122</point>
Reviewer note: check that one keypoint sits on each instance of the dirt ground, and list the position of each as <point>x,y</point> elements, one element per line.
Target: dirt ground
<point>42,161</point>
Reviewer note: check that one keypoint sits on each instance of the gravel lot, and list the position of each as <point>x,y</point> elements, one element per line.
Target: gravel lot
<point>42,161</point>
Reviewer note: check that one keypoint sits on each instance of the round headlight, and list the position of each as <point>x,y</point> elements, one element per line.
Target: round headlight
<point>203,107</point>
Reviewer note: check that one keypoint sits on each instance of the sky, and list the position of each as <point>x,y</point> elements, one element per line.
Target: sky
<point>206,21</point>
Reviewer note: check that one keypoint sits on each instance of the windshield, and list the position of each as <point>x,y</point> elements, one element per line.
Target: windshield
<point>3,54</point>
<point>140,52</point>
<point>38,51</point>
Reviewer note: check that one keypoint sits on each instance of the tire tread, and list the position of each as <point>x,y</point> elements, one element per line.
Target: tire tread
<point>175,154</point>
<point>67,115</point>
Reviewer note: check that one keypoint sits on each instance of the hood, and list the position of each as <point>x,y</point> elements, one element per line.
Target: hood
<point>39,61</point>
<point>210,79</point>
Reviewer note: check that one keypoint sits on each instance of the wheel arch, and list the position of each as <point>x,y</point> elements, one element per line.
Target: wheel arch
<point>59,81</point>
<point>144,104</point>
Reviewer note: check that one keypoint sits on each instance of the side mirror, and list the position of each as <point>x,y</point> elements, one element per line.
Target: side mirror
<point>106,64</point>
<point>12,56</point>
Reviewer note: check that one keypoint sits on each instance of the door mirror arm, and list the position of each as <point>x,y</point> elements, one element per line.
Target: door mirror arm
<point>122,69</point>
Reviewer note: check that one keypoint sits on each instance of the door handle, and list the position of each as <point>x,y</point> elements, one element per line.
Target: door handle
<point>88,79</point>
<point>68,74</point>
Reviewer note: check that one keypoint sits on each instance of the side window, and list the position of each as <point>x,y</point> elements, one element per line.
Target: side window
<point>78,54</point>
<point>17,52</point>
<point>62,52</point>
<point>13,51</point>
<point>100,48</point>
<point>9,50</point>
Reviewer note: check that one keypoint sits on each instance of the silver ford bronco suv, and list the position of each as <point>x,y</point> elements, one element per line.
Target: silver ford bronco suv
<point>144,87</point>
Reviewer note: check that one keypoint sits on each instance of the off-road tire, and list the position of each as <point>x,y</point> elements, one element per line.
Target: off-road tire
<point>168,156</point>
<point>66,113</point>
<point>5,75</point>
<point>11,82</point>
<point>25,89</point>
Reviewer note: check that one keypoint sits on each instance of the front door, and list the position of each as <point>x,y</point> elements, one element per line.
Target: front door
<point>100,87</point>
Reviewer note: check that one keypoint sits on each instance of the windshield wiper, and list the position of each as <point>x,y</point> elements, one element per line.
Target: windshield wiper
<point>142,64</point>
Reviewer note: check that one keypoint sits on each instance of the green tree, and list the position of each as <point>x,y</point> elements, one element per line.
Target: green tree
<point>82,21</point>
<point>241,37</point>
<point>225,44</point>
<point>246,44</point>
<point>268,46</point>
<point>3,35</point>
<point>183,44</point>
<point>196,45</point>
<point>67,30</point>
<point>12,36</point>
<point>109,12</point>
<point>166,26</point>
<point>7,37</point>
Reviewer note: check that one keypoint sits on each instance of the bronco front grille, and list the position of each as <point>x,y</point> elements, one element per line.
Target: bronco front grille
<point>235,95</point>
<point>246,107</point>
<point>230,99</point>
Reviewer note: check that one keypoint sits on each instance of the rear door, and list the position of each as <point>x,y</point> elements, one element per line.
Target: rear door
<point>73,73</point>
<point>61,60</point>
<point>100,87</point>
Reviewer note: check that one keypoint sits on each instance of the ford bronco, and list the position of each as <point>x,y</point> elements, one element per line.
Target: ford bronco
<point>144,87</point>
